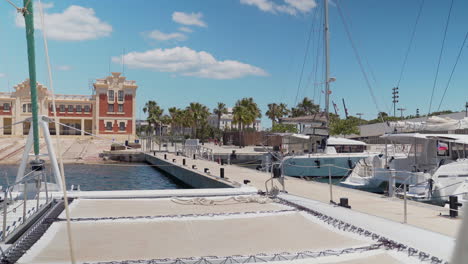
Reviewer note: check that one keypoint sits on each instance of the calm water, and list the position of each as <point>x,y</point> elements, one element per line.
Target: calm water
<point>121,176</point>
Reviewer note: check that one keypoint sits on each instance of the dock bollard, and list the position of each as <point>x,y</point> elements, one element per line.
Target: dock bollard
<point>194,167</point>
<point>453,204</point>
<point>246,181</point>
<point>221,173</point>
<point>165,156</point>
<point>154,153</point>
<point>183,162</point>
<point>344,203</point>
<point>174,160</point>
<point>206,170</point>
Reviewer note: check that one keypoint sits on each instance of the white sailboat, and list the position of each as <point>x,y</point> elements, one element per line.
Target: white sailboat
<point>434,168</point>
<point>337,156</point>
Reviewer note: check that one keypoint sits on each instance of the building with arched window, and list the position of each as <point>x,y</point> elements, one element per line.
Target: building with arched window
<point>109,110</point>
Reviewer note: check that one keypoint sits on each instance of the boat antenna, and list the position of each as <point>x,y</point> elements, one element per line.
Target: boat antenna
<point>29,22</point>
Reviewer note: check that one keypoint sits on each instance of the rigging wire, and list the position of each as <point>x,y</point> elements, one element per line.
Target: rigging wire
<point>318,44</point>
<point>453,70</point>
<point>315,44</point>
<point>440,56</point>
<point>306,53</point>
<point>358,57</point>
<point>64,186</point>
<point>410,43</point>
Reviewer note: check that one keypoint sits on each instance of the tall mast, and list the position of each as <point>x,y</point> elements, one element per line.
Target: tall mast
<point>29,21</point>
<point>327,64</point>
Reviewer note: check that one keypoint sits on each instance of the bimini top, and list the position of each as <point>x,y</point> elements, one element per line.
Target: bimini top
<point>410,137</point>
<point>332,140</point>
<point>344,141</point>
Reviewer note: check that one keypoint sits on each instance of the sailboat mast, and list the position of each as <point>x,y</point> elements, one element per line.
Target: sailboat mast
<point>327,63</point>
<point>29,22</point>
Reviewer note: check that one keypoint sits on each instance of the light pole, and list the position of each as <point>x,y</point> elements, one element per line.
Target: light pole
<point>466,109</point>
<point>401,111</point>
<point>395,99</point>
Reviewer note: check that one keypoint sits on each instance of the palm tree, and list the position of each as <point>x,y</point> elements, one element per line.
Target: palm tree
<point>245,112</point>
<point>197,114</point>
<point>276,111</point>
<point>175,115</point>
<point>154,112</point>
<point>305,107</point>
<point>219,111</point>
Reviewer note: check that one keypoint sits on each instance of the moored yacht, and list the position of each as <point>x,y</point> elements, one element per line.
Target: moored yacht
<point>337,159</point>
<point>433,168</point>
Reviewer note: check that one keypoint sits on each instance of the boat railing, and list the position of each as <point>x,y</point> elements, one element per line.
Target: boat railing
<point>195,151</point>
<point>23,200</point>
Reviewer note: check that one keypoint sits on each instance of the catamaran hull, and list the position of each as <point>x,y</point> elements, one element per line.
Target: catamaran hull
<point>319,166</point>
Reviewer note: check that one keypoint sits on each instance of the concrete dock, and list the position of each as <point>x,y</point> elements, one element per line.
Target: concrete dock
<point>420,215</point>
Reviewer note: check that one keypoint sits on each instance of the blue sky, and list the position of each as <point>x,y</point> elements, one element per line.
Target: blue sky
<point>211,51</point>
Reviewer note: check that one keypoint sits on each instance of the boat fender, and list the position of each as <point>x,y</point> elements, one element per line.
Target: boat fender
<point>350,164</point>
<point>317,163</point>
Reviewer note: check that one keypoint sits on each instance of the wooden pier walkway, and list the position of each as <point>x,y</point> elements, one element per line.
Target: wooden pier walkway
<point>429,217</point>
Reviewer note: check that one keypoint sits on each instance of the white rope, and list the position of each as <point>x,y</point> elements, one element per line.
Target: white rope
<point>64,186</point>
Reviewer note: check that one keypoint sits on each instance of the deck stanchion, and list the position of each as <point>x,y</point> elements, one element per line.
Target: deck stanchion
<point>24,201</point>
<point>45,186</point>
<point>38,191</point>
<point>5,205</point>
<point>330,183</point>
<point>391,183</point>
<point>221,173</point>
<point>405,208</point>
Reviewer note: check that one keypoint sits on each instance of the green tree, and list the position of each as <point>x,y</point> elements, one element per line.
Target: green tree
<point>344,126</point>
<point>245,112</point>
<point>197,114</point>
<point>284,128</point>
<point>219,111</point>
<point>304,108</point>
<point>276,111</point>
<point>154,113</point>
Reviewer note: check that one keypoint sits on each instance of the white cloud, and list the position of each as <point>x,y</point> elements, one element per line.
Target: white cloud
<point>161,36</point>
<point>192,19</point>
<point>187,62</point>
<point>63,67</point>
<point>76,23</point>
<point>2,75</point>
<point>291,7</point>
<point>186,29</point>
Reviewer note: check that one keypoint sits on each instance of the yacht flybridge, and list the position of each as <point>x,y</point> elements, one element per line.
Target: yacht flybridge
<point>433,168</point>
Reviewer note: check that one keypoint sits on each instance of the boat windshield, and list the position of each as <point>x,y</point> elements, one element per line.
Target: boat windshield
<point>349,148</point>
